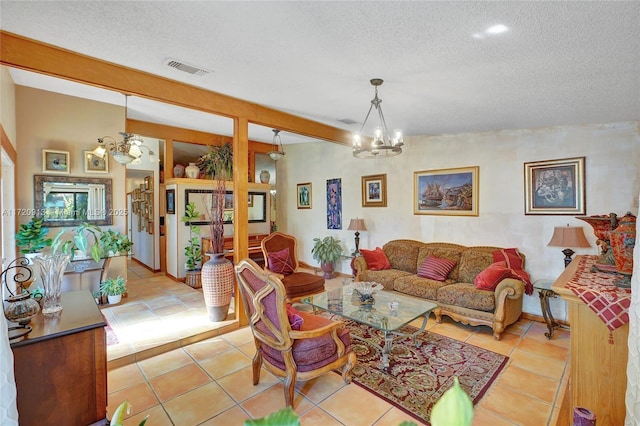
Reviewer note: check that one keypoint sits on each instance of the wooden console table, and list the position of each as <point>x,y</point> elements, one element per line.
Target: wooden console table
<point>598,367</point>
<point>61,366</point>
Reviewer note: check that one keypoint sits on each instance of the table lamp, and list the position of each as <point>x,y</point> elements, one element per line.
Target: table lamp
<point>357,225</point>
<point>568,236</point>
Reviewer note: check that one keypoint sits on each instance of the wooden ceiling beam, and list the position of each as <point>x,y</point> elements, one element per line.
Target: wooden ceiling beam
<point>31,55</point>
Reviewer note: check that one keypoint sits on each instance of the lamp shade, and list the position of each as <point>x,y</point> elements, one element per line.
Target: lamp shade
<point>568,236</point>
<point>357,225</point>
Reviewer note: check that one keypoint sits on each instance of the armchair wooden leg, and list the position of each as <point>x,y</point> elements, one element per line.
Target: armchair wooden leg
<point>289,388</point>
<point>257,366</point>
<point>348,367</point>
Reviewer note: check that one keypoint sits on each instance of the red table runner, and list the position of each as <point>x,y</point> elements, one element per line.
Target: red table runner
<point>598,291</point>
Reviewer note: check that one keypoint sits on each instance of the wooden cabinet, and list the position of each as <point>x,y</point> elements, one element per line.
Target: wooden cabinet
<point>61,366</point>
<point>598,378</point>
<point>255,250</point>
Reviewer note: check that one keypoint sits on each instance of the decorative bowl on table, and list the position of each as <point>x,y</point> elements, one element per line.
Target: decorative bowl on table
<point>365,291</point>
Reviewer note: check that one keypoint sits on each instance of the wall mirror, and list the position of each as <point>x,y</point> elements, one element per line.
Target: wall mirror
<point>68,201</point>
<point>202,198</point>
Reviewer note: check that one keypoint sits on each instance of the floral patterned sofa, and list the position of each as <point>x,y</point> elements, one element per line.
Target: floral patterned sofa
<point>457,296</point>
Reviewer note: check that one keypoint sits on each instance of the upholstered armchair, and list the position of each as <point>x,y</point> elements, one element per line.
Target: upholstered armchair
<point>293,344</point>
<point>279,251</point>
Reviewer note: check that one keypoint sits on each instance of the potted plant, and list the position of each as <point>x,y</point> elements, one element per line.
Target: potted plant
<point>327,251</point>
<point>114,288</point>
<point>193,250</point>
<point>217,273</point>
<point>114,243</point>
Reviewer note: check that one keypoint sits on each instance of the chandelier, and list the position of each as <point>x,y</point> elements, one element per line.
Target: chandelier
<point>382,145</point>
<point>277,151</point>
<point>126,151</point>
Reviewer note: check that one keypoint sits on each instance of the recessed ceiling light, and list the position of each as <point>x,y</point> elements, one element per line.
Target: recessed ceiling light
<point>497,29</point>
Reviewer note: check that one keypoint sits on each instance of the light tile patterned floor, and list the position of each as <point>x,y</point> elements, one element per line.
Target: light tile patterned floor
<point>182,370</point>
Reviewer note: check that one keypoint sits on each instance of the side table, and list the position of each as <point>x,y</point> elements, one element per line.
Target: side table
<point>545,293</point>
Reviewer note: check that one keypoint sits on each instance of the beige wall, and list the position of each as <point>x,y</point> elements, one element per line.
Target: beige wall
<point>7,104</point>
<point>47,120</point>
<point>612,154</point>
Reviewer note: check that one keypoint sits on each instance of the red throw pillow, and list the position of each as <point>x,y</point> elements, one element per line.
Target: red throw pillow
<point>294,317</point>
<point>280,262</point>
<point>509,255</point>
<point>492,275</point>
<point>436,268</point>
<point>376,259</point>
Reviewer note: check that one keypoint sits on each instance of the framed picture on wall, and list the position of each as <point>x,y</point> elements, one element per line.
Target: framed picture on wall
<point>374,191</point>
<point>56,161</point>
<point>555,187</point>
<point>449,192</point>
<point>334,203</point>
<point>304,195</point>
<point>95,164</point>
<point>171,201</point>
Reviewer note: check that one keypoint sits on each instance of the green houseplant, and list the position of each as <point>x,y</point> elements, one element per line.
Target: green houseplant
<point>114,243</point>
<point>114,288</point>
<point>327,251</point>
<point>193,250</point>
<point>32,236</point>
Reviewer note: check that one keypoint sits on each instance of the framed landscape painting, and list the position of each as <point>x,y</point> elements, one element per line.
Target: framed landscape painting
<point>374,191</point>
<point>555,187</point>
<point>451,192</point>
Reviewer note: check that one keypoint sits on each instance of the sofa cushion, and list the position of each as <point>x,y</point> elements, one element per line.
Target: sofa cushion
<point>376,259</point>
<point>436,268</point>
<point>418,286</point>
<point>444,251</point>
<point>280,261</point>
<point>472,262</point>
<point>385,277</point>
<point>492,275</point>
<point>403,254</point>
<point>467,296</point>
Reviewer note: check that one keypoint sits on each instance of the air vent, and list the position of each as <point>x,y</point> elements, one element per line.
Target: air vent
<point>347,121</point>
<point>186,68</point>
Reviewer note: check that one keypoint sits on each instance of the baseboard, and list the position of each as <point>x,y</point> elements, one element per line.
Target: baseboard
<point>539,318</point>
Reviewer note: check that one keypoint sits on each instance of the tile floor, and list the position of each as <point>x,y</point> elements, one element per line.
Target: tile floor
<point>176,367</point>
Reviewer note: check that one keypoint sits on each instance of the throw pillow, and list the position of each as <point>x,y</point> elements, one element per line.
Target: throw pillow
<point>280,262</point>
<point>376,259</point>
<point>294,317</point>
<point>436,268</point>
<point>491,276</point>
<point>514,261</point>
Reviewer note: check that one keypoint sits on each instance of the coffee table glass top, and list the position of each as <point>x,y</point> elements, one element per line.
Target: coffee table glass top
<point>389,311</point>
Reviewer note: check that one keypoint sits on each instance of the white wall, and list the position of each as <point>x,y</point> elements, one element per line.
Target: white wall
<point>612,183</point>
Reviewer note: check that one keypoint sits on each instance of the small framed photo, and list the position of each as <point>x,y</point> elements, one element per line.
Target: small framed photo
<point>148,183</point>
<point>304,195</point>
<point>447,192</point>
<point>56,161</point>
<point>555,187</point>
<point>171,201</point>
<point>95,164</point>
<point>374,191</point>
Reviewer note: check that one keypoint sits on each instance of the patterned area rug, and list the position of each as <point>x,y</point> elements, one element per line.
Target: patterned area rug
<point>417,377</point>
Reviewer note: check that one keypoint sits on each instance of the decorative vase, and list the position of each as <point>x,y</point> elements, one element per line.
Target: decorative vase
<point>192,171</point>
<point>328,269</point>
<point>623,241</point>
<point>52,268</point>
<point>217,286</point>
<point>21,308</point>
<point>178,171</point>
<point>602,226</point>
<point>265,176</point>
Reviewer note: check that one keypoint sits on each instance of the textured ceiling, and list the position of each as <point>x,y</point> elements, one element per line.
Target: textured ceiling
<point>559,62</point>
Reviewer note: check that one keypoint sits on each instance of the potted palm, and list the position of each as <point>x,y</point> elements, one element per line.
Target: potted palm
<point>327,251</point>
<point>114,288</point>
<point>193,250</point>
<point>217,273</point>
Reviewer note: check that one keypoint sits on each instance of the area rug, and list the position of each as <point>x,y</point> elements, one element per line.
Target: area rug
<point>417,377</point>
<point>112,337</point>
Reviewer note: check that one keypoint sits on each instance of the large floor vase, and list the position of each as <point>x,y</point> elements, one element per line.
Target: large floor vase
<point>217,286</point>
<point>52,268</point>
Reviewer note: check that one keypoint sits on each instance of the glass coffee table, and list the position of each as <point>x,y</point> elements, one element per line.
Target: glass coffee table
<point>383,310</point>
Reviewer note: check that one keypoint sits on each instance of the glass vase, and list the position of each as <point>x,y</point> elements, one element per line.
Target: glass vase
<point>52,268</point>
